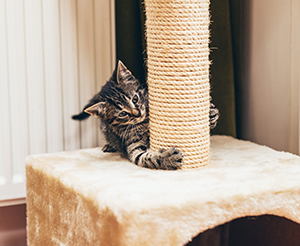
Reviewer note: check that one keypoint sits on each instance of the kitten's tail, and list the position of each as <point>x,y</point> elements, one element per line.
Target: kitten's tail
<point>82,116</point>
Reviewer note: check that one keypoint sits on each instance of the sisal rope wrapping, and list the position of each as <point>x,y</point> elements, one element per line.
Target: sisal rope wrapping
<point>177,34</point>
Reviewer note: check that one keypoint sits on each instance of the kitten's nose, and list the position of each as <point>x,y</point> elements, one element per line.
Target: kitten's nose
<point>136,112</point>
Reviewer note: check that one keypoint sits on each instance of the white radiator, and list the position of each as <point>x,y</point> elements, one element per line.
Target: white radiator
<point>54,56</point>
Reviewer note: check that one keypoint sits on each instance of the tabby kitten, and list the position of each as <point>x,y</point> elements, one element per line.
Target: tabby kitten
<point>122,107</point>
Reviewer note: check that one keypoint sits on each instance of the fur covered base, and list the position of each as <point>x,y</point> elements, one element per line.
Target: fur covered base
<point>87,197</point>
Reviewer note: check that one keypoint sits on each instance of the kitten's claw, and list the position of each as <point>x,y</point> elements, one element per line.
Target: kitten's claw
<point>171,159</point>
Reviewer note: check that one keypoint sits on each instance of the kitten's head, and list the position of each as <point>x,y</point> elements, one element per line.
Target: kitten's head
<point>122,100</point>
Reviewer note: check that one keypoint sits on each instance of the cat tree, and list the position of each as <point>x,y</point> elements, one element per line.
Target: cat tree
<point>87,197</point>
<point>178,77</point>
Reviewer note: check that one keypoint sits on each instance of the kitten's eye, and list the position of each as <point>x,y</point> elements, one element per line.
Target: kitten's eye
<point>122,114</point>
<point>135,99</point>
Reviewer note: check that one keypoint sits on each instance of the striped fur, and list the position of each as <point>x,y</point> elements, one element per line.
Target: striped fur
<point>213,116</point>
<point>122,107</point>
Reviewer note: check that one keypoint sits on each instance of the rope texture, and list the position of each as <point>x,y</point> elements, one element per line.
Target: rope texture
<point>177,34</point>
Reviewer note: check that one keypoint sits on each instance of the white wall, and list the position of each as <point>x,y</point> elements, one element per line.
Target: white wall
<point>54,56</point>
<point>271,73</point>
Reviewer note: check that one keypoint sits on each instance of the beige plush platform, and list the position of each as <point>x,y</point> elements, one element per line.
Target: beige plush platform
<point>86,197</point>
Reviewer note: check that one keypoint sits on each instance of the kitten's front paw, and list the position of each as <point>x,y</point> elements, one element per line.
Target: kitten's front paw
<point>171,159</point>
<point>109,148</point>
<point>214,115</point>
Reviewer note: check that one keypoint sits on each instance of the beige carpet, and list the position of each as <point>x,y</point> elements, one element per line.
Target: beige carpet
<point>86,197</point>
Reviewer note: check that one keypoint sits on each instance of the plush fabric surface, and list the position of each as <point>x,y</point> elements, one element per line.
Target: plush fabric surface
<point>87,197</point>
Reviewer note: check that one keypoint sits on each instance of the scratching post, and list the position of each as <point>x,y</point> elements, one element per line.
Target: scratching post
<point>177,34</point>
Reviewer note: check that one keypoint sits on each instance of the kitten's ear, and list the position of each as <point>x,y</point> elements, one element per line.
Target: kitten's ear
<point>142,91</point>
<point>122,72</point>
<point>96,109</point>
